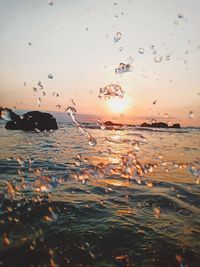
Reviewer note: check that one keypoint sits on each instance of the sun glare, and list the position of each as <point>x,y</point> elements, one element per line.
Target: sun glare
<point>118,105</point>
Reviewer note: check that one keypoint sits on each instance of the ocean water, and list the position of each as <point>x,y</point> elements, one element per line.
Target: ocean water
<point>133,199</point>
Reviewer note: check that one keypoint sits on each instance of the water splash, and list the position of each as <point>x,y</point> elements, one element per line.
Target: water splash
<point>72,113</point>
<point>110,91</point>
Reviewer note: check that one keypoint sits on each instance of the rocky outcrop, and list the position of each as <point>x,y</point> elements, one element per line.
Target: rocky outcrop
<point>160,125</point>
<point>32,121</point>
<point>110,123</point>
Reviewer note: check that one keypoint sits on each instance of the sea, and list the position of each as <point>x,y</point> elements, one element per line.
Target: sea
<point>131,198</point>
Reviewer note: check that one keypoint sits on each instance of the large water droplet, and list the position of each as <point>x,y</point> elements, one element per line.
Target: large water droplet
<point>111,90</point>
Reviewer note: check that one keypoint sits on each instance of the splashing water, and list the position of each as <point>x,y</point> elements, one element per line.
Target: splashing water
<point>123,68</point>
<point>111,90</point>
<point>72,113</point>
<point>117,37</point>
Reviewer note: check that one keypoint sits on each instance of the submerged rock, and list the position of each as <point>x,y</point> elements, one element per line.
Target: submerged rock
<point>160,125</point>
<point>32,121</point>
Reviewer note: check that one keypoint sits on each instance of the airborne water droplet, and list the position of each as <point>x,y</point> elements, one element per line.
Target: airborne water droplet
<point>191,114</point>
<point>92,141</point>
<point>50,76</point>
<point>166,115</point>
<point>180,16</point>
<point>39,101</point>
<point>123,68</point>
<point>141,50</point>
<point>111,90</point>
<point>158,58</point>
<point>117,37</point>
<point>168,57</point>
<point>50,2</point>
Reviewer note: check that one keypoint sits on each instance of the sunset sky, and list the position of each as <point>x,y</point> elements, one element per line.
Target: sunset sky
<point>73,41</point>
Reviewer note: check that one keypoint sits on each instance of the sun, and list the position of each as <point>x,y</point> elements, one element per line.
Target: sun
<point>118,105</point>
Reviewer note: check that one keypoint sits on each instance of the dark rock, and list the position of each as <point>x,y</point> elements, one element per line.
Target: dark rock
<point>110,123</point>
<point>33,120</point>
<point>176,125</point>
<point>160,125</point>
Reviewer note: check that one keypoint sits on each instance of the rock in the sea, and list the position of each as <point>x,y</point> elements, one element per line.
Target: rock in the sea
<point>110,123</point>
<point>33,121</point>
<point>160,125</point>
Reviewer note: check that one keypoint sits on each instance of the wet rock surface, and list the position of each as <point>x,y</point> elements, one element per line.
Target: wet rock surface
<point>33,120</point>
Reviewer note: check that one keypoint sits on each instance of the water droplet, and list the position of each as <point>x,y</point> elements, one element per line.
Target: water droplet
<point>40,85</point>
<point>29,43</point>
<point>58,106</point>
<point>111,90</point>
<point>71,111</point>
<point>39,101</point>
<point>166,115</point>
<point>191,114</point>
<point>121,48</point>
<point>180,16</point>
<point>121,115</point>
<point>155,52</point>
<point>117,37</point>
<point>50,76</point>
<point>34,89</point>
<point>92,141</point>
<point>77,162</point>
<point>123,68</point>
<point>158,58</point>
<point>43,93</point>
<point>152,47</point>
<point>154,102</point>
<point>141,50</point>
<point>72,101</point>
<point>168,57</point>
<point>50,2</point>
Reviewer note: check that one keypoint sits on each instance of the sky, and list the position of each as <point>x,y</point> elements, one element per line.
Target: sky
<point>74,41</point>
